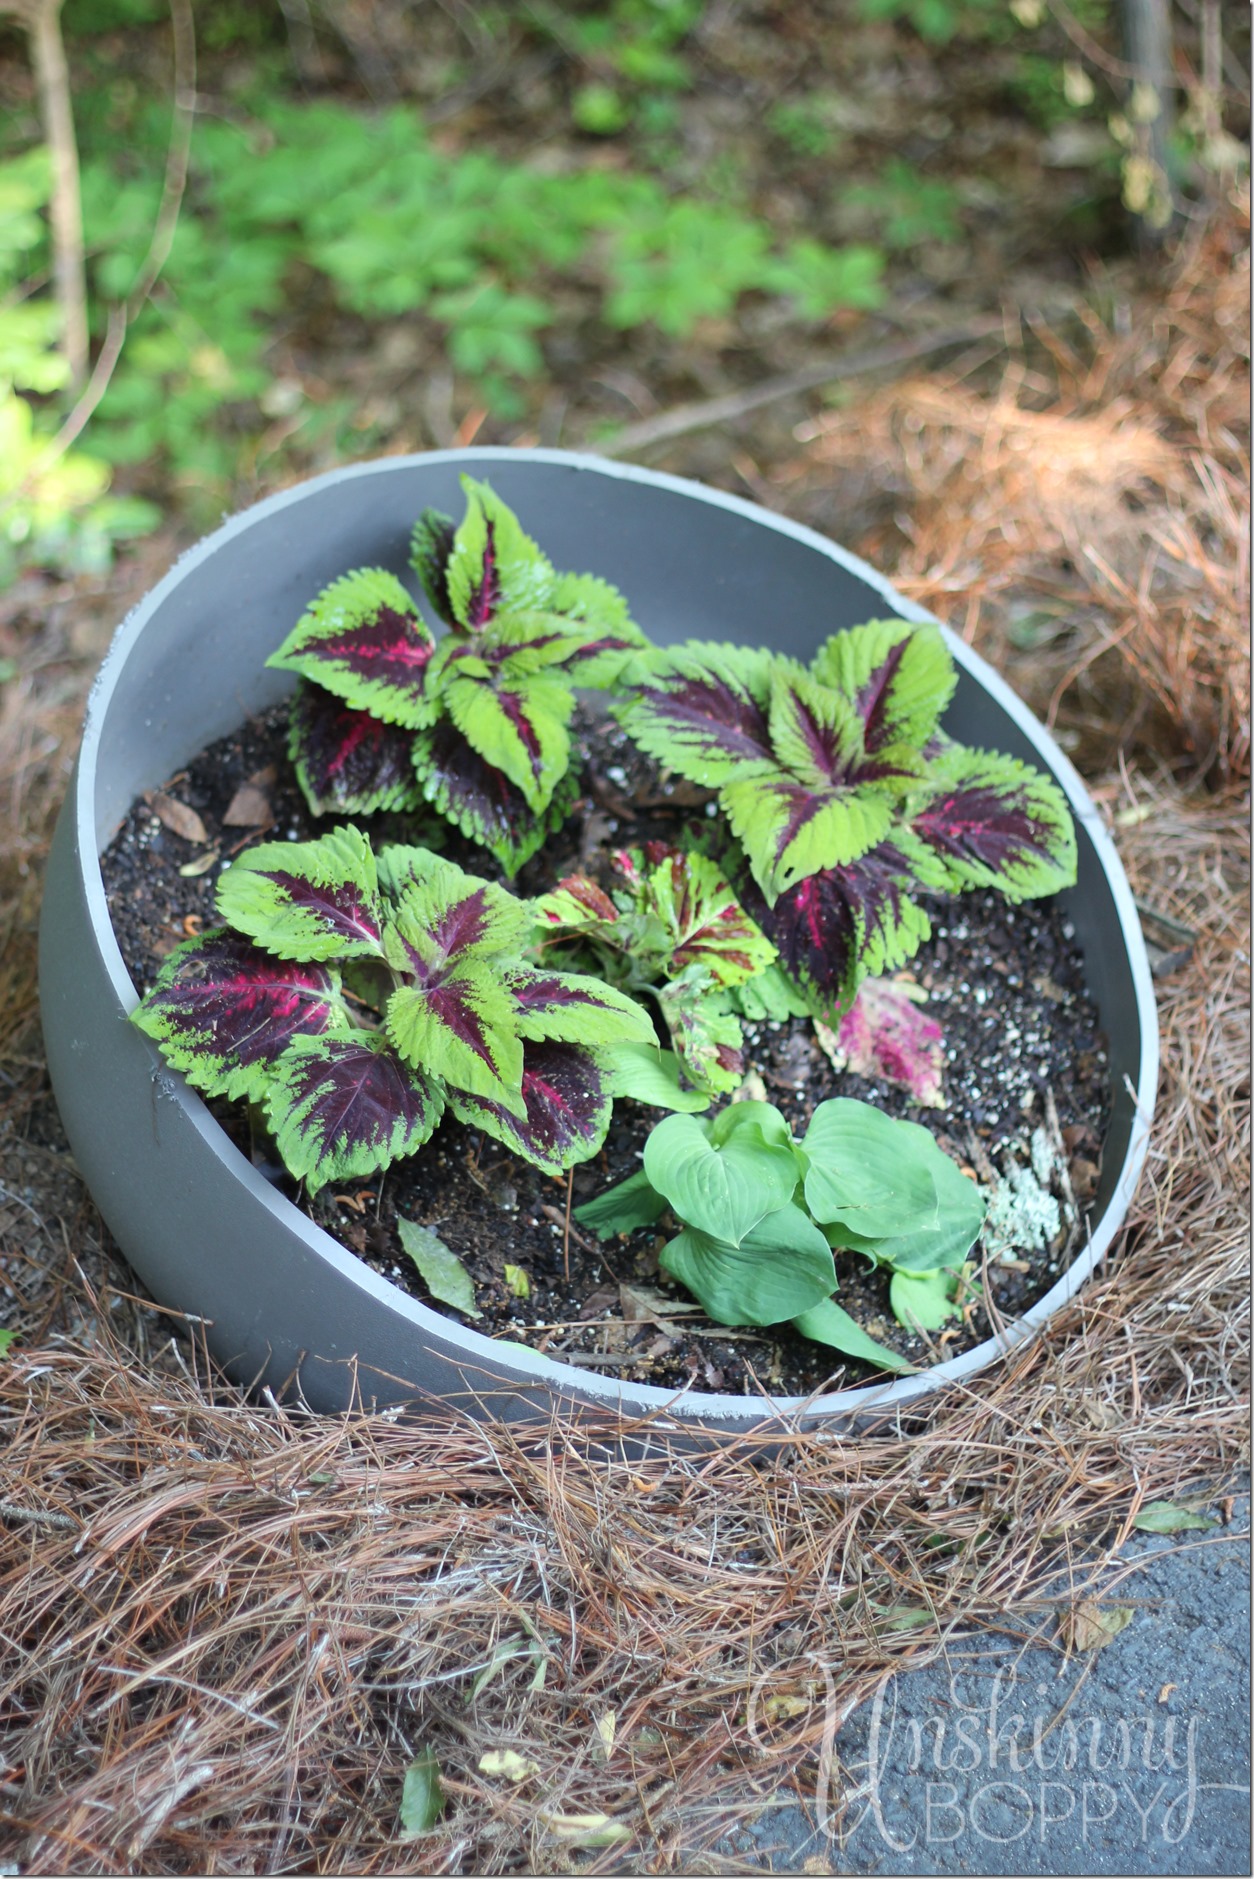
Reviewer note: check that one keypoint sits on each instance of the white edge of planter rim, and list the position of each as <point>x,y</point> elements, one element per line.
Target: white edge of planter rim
<point>884,1399</point>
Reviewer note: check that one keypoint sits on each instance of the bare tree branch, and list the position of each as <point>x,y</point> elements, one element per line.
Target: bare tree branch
<point>42,21</point>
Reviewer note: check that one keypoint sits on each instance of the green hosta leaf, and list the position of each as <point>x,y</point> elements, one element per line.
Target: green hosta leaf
<point>634,1203</point>
<point>707,1037</point>
<point>869,1172</point>
<point>778,1270</point>
<point>898,677</point>
<point>700,709</point>
<point>941,1245</point>
<point>343,1107</point>
<point>722,1188</point>
<point>572,1008</point>
<point>307,900</point>
<point>992,821</point>
<point>520,730</point>
<point>923,1300</point>
<point>828,1323</point>
<point>648,1074</point>
<point>422,1798</point>
<point>443,1273</point>
<point>493,565</point>
<point>363,640</point>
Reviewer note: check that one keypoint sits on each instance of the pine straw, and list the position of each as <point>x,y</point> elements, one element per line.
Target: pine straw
<point>225,1629</point>
<point>1089,508</point>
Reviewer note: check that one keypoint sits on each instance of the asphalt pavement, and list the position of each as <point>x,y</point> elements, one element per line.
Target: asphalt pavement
<point>1011,1757</point>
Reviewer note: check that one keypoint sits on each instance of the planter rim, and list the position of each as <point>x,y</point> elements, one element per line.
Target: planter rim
<point>483,1353</point>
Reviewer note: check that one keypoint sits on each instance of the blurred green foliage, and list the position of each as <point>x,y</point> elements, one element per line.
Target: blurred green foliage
<point>317,224</point>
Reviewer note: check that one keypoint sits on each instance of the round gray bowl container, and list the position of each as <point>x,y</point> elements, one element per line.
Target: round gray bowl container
<point>284,1303</point>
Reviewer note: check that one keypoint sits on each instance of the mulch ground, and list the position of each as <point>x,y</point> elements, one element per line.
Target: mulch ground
<point>226,1630</point>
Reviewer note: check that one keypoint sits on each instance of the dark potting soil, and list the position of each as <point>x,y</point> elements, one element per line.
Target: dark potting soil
<point>1006,983</point>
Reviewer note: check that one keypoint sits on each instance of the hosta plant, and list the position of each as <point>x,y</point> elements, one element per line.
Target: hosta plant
<point>760,1213</point>
<point>844,797</point>
<point>476,723</point>
<point>353,997</point>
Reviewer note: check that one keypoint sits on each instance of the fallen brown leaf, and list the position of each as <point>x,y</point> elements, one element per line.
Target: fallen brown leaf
<point>176,816</point>
<point>249,808</point>
<point>1090,1626</point>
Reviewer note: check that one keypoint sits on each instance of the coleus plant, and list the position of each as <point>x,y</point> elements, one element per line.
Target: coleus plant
<point>844,796</point>
<point>476,724</point>
<point>760,1214</point>
<point>670,925</point>
<point>353,997</point>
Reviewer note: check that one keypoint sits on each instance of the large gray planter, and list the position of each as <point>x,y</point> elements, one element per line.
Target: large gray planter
<point>283,1301</point>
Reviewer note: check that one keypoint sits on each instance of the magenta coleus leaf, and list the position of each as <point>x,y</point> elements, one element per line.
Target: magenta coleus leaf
<point>480,799</point>
<point>898,677</point>
<point>566,1108</point>
<point>363,640</point>
<point>224,1012</point>
<point>444,916</point>
<point>701,710</point>
<point>343,1107</point>
<point>307,900</point>
<point>840,924</point>
<point>992,821</point>
<point>887,1035</point>
<point>348,761</point>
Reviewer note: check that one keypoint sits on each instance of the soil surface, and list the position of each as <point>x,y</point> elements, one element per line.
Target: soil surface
<point>1006,983</point>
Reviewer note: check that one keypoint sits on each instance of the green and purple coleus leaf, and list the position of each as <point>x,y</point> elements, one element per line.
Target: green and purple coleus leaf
<point>343,1107</point>
<point>689,899</point>
<point>565,1107</point>
<point>487,579</point>
<point>990,821</point>
<point>224,1012</point>
<point>841,924</point>
<point>481,801</point>
<point>675,909</point>
<point>363,640</point>
<point>707,1036</point>
<point>898,678</point>
<point>787,754</point>
<point>348,762</point>
<point>307,900</point>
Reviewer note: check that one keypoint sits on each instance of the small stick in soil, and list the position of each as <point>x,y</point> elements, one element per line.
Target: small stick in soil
<point>570,1195</point>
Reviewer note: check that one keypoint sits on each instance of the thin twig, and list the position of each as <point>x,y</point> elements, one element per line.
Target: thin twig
<point>42,20</point>
<point>570,1195</point>
<point>122,315</point>
<point>700,416</point>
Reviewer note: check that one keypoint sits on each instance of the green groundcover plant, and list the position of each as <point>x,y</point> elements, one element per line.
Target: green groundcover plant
<point>760,1213</point>
<point>353,997</point>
